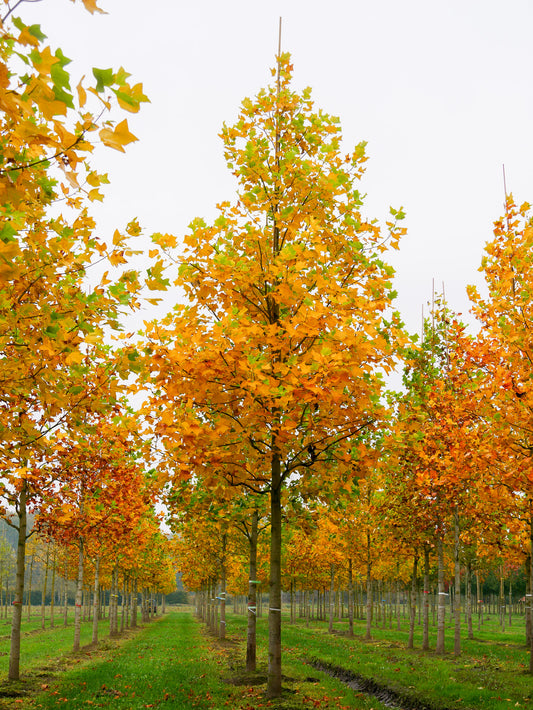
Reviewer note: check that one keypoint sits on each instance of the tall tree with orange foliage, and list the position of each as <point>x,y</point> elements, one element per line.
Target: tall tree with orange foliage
<point>95,496</point>
<point>504,350</point>
<point>48,319</point>
<point>273,367</point>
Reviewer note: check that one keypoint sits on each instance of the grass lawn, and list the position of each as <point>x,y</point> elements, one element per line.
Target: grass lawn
<point>172,662</point>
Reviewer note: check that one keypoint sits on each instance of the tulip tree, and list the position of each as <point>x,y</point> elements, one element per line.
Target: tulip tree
<point>49,319</point>
<point>272,368</point>
<point>504,351</point>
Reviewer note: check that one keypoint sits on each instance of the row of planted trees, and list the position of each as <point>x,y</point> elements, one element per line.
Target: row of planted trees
<point>266,392</point>
<point>268,382</point>
<point>70,446</point>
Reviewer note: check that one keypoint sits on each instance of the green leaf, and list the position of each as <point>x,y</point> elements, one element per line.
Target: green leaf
<point>7,233</point>
<point>52,331</point>
<point>60,77</point>
<point>104,77</point>
<point>35,31</point>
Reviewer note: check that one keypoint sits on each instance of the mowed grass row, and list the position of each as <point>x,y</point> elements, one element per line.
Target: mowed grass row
<point>490,674</point>
<point>39,646</point>
<point>173,663</point>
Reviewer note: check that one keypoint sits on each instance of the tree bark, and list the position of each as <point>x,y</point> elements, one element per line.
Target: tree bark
<point>14,655</point>
<point>96,593</point>
<point>53,588</point>
<point>222,626</point>
<point>468,586</point>
<point>274,614</point>
<point>29,586</point>
<point>251,631</point>
<point>441,608</point>
<point>350,598</point>
<point>530,597</point>
<point>457,590</point>
<point>331,598</point>
<point>425,639</point>
<point>45,583</point>
<point>412,610</point>
<point>368,634</point>
<point>79,596</point>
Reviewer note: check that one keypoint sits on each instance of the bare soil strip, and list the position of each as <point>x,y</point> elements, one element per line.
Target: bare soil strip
<point>397,699</point>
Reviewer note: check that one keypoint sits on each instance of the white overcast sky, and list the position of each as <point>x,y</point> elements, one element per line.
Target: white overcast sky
<point>441,91</point>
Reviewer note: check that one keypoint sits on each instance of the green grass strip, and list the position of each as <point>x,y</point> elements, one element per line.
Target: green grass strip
<point>166,664</point>
<point>172,663</point>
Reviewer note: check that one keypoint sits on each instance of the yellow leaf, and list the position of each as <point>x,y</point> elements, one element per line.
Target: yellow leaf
<point>44,60</point>
<point>95,195</point>
<point>82,94</point>
<point>118,138</point>
<point>4,76</point>
<point>9,250</point>
<point>118,238</point>
<point>153,253</point>
<point>92,7</point>
<point>74,357</point>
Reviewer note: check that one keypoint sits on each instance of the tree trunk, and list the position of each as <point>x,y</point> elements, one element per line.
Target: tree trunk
<point>480,601</point>
<point>530,597</point>
<point>368,634</point>
<point>96,595</point>
<point>45,583</point>
<point>425,633</point>
<point>79,596</point>
<point>274,614</point>
<point>29,587</point>
<point>251,632</point>
<point>331,597</point>
<point>134,605</point>
<point>510,601</point>
<point>412,614</point>
<point>222,627</point>
<point>350,598</point>
<point>53,588</point>
<point>441,608</point>
<point>14,655</point>
<point>468,586</point>
<point>65,599</point>
<point>457,591</point>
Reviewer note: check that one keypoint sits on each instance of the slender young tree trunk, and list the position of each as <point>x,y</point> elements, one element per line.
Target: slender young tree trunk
<point>425,640</point>
<point>441,608</point>
<point>350,598</point>
<point>123,605</point>
<point>398,614</point>
<point>14,655</point>
<point>29,587</point>
<point>53,588</point>
<point>222,626</point>
<point>368,634</point>
<point>510,601</point>
<point>274,614</point>
<point>65,598</point>
<point>79,598</point>
<point>530,598</point>
<point>412,614</point>
<point>134,605</point>
<point>251,632</point>
<point>331,598</point>
<point>468,586</point>
<point>480,601</point>
<point>96,596</point>
<point>45,583</point>
<point>501,601</point>
<point>457,591</point>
